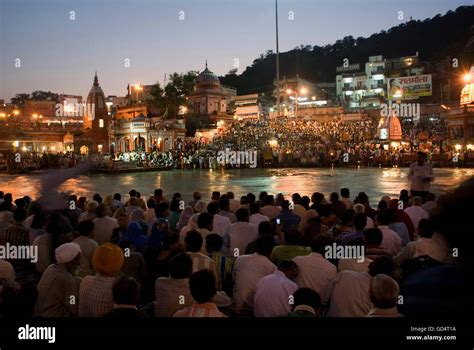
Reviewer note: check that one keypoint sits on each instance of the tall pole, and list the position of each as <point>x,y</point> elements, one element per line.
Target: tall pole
<point>277,60</point>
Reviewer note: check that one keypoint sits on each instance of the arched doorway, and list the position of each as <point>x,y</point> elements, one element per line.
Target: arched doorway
<point>139,143</point>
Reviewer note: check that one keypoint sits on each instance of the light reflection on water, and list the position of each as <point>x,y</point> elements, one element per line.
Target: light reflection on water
<point>374,181</point>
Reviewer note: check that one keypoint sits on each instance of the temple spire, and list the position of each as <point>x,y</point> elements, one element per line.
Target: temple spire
<point>96,80</point>
<point>206,63</point>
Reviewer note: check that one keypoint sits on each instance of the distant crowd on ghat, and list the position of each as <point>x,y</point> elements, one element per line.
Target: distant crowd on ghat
<point>265,256</point>
<point>292,143</point>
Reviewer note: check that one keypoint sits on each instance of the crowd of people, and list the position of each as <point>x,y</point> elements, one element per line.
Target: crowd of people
<point>265,256</point>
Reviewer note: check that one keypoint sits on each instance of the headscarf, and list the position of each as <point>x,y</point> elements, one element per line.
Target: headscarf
<point>136,215</point>
<point>67,252</point>
<point>108,259</point>
<point>184,218</point>
<point>200,207</point>
<point>135,235</point>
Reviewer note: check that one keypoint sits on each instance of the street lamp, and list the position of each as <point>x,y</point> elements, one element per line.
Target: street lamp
<point>16,112</point>
<point>467,78</point>
<point>138,88</point>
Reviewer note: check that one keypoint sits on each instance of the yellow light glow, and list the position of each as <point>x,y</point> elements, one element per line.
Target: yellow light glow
<point>289,91</point>
<point>16,112</point>
<point>35,115</point>
<point>273,143</point>
<point>470,147</point>
<point>138,87</point>
<point>2,115</point>
<point>24,149</point>
<point>467,77</point>
<point>458,147</point>
<point>303,90</point>
<point>16,143</point>
<point>313,98</point>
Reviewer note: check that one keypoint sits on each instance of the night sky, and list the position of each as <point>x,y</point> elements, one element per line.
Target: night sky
<point>61,55</point>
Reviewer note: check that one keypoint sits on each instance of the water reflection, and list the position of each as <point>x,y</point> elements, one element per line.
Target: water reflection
<point>375,182</point>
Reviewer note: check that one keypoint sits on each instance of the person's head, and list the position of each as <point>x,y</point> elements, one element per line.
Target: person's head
<point>307,297</point>
<point>97,198</point>
<point>264,245</point>
<point>86,228</point>
<point>126,291</point>
<point>382,264</point>
<point>417,201</point>
<point>200,206</point>
<point>420,157</point>
<point>193,241</point>
<point>216,195</point>
<point>317,197</point>
<point>269,200</point>
<point>360,221</point>
<point>382,205</point>
<point>101,210</point>
<point>383,291</point>
<point>213,208</point>
<point>262,196</point>
<point>230,195</point>
<point>334,197</point>
<point>430,197</point>
<point>289,268</point>
<point>132,193</point>
<point>292,236</point>
<point>250,198</point>
<point>68,254</point>
<point>181,266</point>
<point>150,203</point>
<point>20,203</point>
<point>133,202</point>
<point>362,198</point>
<point>359,208</point>
<point>214,243</point>
<point>373,237</point>
<point>305,201</point>
<point>162,210</point>
<point>196,196</point>
<point>224,204</point>
<point>345,192</point>
<point>382,219</point>
<point>158,193</point>
<point>347,217</point>
<point>117,196</point>
<point>174,205</point>
<point>425,228</point>
<point>176,196</point>
<point>319,244</point>
<point>296,197</point>
<point>92,206</point>
<point>138,194</point>
<point>265,229</point>
<point>122,220</point>
<point>205,221</point>
<point>404,196</point>
<point>108,259</point>
<point>202,285</point>
<point>242,215</point>
<point>19,215</point>
<point>285,205</point>
<point>243,200</point>
<point>171,241</point>
<point>254,208</point>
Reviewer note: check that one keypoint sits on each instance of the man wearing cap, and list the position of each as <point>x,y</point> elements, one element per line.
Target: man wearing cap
<point>95,292</point>
<point>57,289</point>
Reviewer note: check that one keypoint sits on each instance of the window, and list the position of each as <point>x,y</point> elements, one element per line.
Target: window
<point>101,123</point>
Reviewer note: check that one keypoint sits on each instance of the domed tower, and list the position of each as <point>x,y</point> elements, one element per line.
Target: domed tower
<point>96,120</point>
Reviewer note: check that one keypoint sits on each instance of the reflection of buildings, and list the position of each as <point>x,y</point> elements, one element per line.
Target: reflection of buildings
<point>210,99</point>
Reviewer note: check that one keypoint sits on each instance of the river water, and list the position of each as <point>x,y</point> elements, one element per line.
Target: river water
<point>375,182</point>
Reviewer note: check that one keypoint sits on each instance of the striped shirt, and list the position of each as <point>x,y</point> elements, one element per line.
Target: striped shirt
<point>200,310</point>
<point>224,264</point>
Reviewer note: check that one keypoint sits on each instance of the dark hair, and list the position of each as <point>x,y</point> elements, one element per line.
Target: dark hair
<point>138,194</point>
<point>193,241</point>
<point>20,203</point>
<point>383,218</point>
<point>382,205</point>
<point>230,195</point>
<point>270,199</point>
<point>373,236</point>
<point>287,265</point>
<point>38,220</point>
<point>224,204</point>
<point>345,192</point>
<point>254,208</point>
<point>96,197</point>
<point>347,217</point>
<point>19,215</point>
<point>382,264</point>
<point>292,236</point>
<point>170,239</point>
<point>85,228</point>
<point>307,296</point>
<point>430,196</point>
<point>296,197</point>
<point>262,195</point>
<point>117,196</point>
<point>202,285</point>
<point>196,195</point>
<point>242,214</point>
<point>214,243</point>
<point>126,291</point>
<point>320,243</point>
<point>181,266</point>
<point>158,192</point>
<point>265,228</point>
<point>101,210</point>
<point>243,200</point>
<point>174,205</point>
<point>425,228</point>
<point>305,202</point>
<point>334,197</point>
<point>285,205</point>
<point>213,208</point>
<point>216,194</point>
<point>360,221</point>
<point>150,203</point>
<point>264,245</point>
<point>250,198</point>
<point>176,195</point>
<point>205,220</point>
<point>160,209</point>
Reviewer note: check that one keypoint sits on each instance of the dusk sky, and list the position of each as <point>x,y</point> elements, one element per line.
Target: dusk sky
<point>61,55</point>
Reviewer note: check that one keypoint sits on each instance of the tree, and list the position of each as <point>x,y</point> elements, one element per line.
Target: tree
<point>19,100</point>
<point>175,92</point>
<point>156,100</point>
<point>39,95</point>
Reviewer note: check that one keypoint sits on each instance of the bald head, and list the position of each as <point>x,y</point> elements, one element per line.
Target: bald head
<point>383,291</point>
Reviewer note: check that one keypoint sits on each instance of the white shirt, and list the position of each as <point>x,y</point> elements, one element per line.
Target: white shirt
<point>248,271</point>
<point>417,174</point>
<point>423,246</point>
<point>149,215</point>
<point>220,224</point>
<point>314,271</point>
<point>391,240</point>
<point>240,235</point>
<point>272,295</point>
<point>270,211</point>
<point>416,213</point>
<point>103,228</point>
<point>349,204</point>
<point>429,205</point>
<point>348,295</point>
<point>88,247</point>
<point>257,218</point>
<point>301,212</point>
